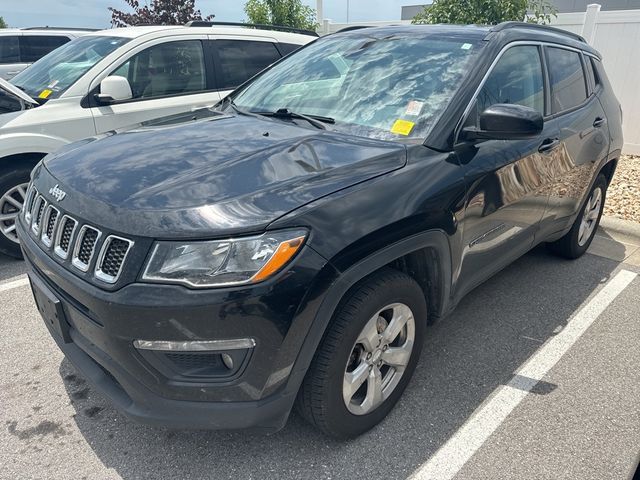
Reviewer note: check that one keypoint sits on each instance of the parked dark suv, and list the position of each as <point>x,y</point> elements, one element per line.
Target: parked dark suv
<point>212,269</point>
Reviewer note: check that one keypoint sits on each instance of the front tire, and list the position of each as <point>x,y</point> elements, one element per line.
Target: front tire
<point>366,357</point>
<point>577,241</point>
<point>13,188</point>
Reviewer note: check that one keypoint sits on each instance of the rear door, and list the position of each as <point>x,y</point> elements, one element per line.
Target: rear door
<point>237,59</point>
<point>583,135</point>
<point>168,77</point>
<point>10,63</point>
<point>506,194</point>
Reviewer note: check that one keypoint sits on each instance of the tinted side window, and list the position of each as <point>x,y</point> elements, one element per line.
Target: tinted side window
<point>568,85</point>
<point>34,47</point>
<point>590,75</point>
<point>241,59</point>
<point>171,68</point>
<point>9,49</point>
<point>594,69</point>
<point>287,48</point>
<point>516,78</point>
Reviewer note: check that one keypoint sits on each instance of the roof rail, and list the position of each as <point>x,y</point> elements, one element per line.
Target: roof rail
<point>353,27</point>
<point>278,28</point>
<point>537,26</point>
<point>70,29</point>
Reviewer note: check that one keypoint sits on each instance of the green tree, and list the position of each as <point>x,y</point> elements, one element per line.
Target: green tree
<point>3,24</point>
<point>486,12</point>
<point>157,12</point>
<point>289,13</point>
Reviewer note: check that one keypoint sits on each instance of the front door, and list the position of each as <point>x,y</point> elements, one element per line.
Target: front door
<point>506,194</point>
<point>166,78</point>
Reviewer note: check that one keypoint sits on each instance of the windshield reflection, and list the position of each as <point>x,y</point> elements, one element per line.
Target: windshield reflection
<point>50,76</point>
<point>386,86</point>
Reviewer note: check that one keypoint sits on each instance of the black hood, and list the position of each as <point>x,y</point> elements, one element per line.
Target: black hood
<point>224,174</point>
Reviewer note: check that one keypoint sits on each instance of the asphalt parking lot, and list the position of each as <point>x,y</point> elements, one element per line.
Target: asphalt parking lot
<point>535,375</point>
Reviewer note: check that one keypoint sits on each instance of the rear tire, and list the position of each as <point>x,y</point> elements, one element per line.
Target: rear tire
<point>577,241</point>
<point>367,356</point>
<point>13,186</point>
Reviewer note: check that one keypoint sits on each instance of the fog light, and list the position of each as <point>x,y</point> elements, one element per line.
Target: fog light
<point>227,360</point>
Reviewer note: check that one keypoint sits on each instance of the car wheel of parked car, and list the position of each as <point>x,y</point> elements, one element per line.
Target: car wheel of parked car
<point>367,355</point>
<point>575,243</point>
<point>13,190</point>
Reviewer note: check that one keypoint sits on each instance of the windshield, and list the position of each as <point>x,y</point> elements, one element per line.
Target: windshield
<point>50,76</point>
<point>389,87</point>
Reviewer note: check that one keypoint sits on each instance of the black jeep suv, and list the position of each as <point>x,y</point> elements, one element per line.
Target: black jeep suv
<point>291,245</point>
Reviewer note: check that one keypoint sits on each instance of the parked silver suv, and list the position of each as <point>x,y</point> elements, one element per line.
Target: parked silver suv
<point>19,48</point>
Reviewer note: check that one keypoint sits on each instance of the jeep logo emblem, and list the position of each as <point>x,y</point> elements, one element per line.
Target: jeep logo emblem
<point>56,193</point>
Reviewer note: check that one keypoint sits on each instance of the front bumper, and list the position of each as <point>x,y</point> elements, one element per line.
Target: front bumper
<point>102,326</point>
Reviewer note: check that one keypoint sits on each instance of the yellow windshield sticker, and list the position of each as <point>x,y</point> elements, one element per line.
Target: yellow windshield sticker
<point>45,93</point>
<point>402,127</point>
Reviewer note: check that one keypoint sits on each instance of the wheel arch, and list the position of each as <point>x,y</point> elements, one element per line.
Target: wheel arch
<point>609,169</point>
<point>22,159</point>
<point>405,255</point>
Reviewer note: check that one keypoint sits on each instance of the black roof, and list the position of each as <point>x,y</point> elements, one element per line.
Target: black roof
<point>507,31</point>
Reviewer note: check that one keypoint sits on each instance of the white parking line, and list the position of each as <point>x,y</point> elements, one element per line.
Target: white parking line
<point>14,284</point>
<point>452,456</point>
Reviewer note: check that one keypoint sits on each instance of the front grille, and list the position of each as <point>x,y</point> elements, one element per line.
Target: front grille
<point>51,219</point>
<point>112,257</point>
<point>68,238</point>
<point>85,247</point>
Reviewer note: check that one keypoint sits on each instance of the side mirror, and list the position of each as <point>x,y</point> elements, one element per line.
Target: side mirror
<point>505,121</point>
<point>114,89</point>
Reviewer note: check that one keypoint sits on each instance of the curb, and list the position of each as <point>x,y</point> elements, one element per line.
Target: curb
<point>623,227</point>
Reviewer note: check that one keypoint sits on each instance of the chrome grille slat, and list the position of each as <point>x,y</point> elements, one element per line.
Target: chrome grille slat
<point>64,236</point>
<point>32,193</point>
<point>85,247</point>
<point>112,256</point>
<point>49,221</point>
<point>37,213</point>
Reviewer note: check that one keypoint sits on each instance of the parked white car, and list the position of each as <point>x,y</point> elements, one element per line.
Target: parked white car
<point>20,47</point>
<point>113,79</point>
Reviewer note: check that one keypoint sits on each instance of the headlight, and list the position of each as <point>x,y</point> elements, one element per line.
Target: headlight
<point>223,263</point>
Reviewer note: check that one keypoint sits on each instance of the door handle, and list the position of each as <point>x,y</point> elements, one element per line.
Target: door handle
<point>598,122</point>
<point>548,145</point>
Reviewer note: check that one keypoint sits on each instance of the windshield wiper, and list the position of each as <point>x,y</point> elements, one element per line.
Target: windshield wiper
<point>315,120</point>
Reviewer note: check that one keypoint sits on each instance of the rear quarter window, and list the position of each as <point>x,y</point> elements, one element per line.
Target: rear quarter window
<point>287,48</point>
<point>242,59</point>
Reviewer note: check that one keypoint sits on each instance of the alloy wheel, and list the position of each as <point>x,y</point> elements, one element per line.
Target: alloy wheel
<point>379,358</point>
<point>11,204</point>
<point>590,216</point>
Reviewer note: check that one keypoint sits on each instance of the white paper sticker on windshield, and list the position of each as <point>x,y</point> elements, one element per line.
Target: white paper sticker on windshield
<point>414,108</point>
<point>465,46</point>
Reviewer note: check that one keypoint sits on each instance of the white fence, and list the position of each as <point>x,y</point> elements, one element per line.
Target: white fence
<point>616,34</point>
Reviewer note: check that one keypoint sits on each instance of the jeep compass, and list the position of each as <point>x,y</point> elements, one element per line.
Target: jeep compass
<point>289,247</point>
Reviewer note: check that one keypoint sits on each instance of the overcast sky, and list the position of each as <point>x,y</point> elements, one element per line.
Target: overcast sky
<point>93,13</point>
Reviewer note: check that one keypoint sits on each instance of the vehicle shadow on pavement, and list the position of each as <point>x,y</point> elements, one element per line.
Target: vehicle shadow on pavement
<point>494,330</point>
